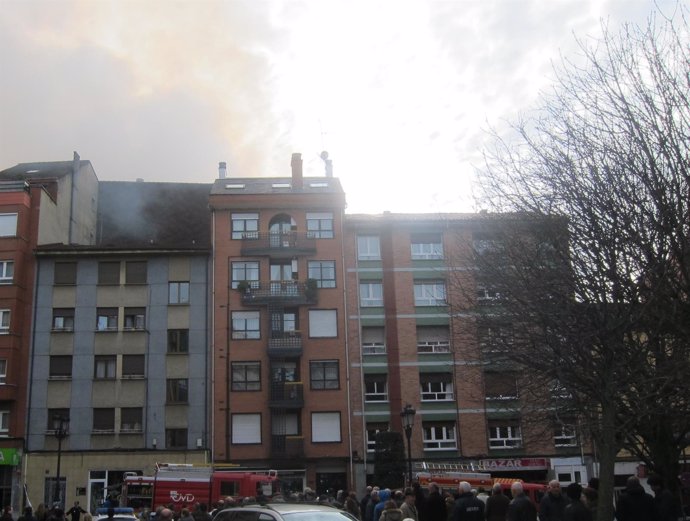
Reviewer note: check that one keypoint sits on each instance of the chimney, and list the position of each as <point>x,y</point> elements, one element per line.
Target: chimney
<point>222,170</point>
<point>296,165</point>
<point>328,163</point>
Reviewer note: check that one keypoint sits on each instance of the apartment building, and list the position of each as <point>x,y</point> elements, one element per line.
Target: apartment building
<point>119,367</point>
<point>281,373</point>
<point>40,203</point>
<point>415,338</point>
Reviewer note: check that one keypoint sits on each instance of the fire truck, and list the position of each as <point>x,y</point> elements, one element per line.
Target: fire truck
<point>184,485</point>
<point>449,475</point>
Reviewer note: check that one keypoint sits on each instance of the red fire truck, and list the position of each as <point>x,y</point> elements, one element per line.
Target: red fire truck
<point>449,475</point>
<point>184,485</point>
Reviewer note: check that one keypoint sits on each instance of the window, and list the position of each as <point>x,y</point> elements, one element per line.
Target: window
<point>3,371</point>
<point>284,321</point>
<point>246,376</point>
<point>52,415</point>
<point>108,272</point>
<point>431,293</point>
<point>135,318</point>
<point>285,424</point>
<point>370,294</point>
<point>372,430</point>
<point>6,271</point>
<point>65,273</point>
<point>373,340</point>
<point>368,247</point>
<point>439,436</point>
<point>175,438</point>
<point>324,374</point>
<point>105,367</point>
<point>178,292</point>
<point>500,386</point>
<point>4,422</point>
<point>325,427</point>
<point>60,366</point>
<point>63,319</point>
<point>135,272</point>
<point>106,319</point>
<point>131,419</point>
<point>495,338</point>
<point>245,271</point>
<point>565,435</point>
<point>436,387</point>
<point>245,325</point>
<point>320,225</point>
<point>245,225</point>
<point>176,390</point>
<point>323,272</point>
<point>133,366</point>
<point>103,419</point>
<point>8,224</point>
<point>375,388</point>
<point>504,434</point>
<point>246,429</point>
<point>4,321</point>
<point>433,339</point>
<point>178,340</point>
<point>487,293</point>
<point>426,246</point>
<point>323,323</point>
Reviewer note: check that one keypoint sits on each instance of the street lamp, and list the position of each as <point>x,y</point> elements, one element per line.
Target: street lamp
<point>60,430</point>
<point>408,421</point>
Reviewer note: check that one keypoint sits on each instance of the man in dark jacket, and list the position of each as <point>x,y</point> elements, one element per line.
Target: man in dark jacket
<point>576,509</point>
<point>666,504</point>
<point>553,504</point>
<point>435,505</point>
<point>467,506</point>
<point>520,508</point>
<point>497,504</point>
<point>634,504</point>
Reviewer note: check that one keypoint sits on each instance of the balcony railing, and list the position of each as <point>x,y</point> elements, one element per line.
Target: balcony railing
<point>285,344</point>
<point>278,244</point>
<point>287,446</point>
<point>287,395</point>
<point>287,292</point>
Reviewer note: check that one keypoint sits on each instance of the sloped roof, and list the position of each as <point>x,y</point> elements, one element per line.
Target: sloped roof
<point>275,185</point>
<point>153,215</point>
<point>40,170</point>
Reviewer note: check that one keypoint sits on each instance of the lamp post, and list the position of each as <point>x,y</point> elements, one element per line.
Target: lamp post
<point>60,428</point>
<point>407,415</point>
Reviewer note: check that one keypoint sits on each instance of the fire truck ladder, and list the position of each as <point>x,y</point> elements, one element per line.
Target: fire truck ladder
<point>431,466</point>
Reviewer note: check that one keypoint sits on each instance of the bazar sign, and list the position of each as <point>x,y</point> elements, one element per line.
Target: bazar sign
<point>515,464</point>
<point>9,457</point>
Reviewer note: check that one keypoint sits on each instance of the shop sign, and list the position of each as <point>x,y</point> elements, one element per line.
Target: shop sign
<point>498,465</point>
<point>9,457</point>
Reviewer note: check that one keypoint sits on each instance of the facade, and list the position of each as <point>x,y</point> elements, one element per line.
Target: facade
<point>279,360</point>
<point>40,203</point>
<point>119,345</point>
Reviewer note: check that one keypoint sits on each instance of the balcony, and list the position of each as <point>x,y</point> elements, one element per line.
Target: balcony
<point>286,292</point>
<point>287,447</point>
<point>287,395</point>
<point>285,344</point>
<point>278,244</point>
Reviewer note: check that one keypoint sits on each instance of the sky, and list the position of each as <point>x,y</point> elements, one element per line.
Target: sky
<point>400,93</point>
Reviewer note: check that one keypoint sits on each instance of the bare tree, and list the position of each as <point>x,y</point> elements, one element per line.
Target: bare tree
<point>595,268</point>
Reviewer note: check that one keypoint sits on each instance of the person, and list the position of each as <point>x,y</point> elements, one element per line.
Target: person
<point>352,505</point>
<point>666,506</point>
<point>435,505</point>
<point>28,515</point>
<point>6,514</point>
<point>576,509</point>
<point>384,496</point>
<point>201,513</point>
<point>408,507</point>
<point>467,506</point>
<point>41,512</point>
<point>634,504</point>
<point>553,504</point>
<point>482,495</point>
<point>391,512</point>
<point>365,500</point>
<point>76,511</point>
<point>497,504</point>
<point>520,508</point>
<point>590,496</point>
<point>164,514</point>
<point>373,501</point>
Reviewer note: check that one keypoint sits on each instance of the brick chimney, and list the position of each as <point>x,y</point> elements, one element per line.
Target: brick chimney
<point>296,165</point>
